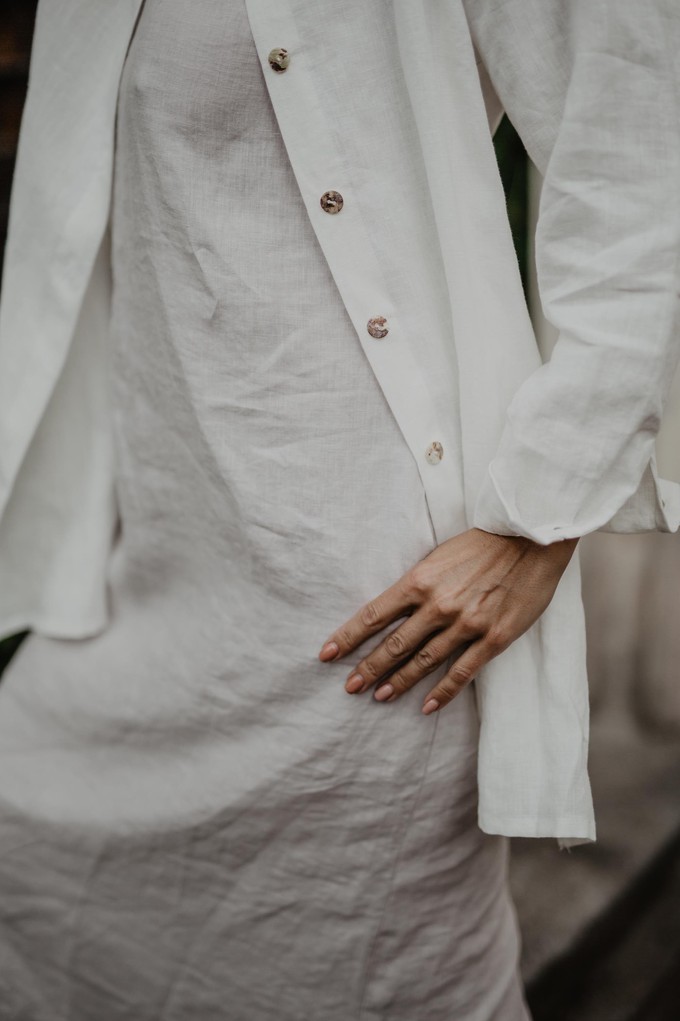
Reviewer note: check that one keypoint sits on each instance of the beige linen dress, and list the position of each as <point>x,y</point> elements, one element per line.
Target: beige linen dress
<point>197,822</point>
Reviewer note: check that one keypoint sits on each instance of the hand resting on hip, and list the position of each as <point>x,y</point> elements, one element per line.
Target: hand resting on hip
<point>471,597</point>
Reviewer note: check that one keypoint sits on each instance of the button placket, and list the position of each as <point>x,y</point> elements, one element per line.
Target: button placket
<point>360,277</point>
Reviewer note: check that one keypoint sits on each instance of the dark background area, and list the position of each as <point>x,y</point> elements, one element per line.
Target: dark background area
<point>16,30</point>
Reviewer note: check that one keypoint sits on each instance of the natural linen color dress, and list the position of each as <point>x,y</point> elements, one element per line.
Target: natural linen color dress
<point>198,823</point>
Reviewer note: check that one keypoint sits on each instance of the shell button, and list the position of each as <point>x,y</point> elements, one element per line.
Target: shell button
<point>434,452</point>
<point>377,327</point>
<point>331,201</point>
<point>279,59</point>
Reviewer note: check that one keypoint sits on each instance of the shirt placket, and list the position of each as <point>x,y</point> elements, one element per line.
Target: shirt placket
<point>384,326</point>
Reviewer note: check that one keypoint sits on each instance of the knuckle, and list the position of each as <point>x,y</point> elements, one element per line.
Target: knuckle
<point>344,638</point>
<point>460,674</point>
<point>445,605</point>
<point>395,645</point>
<point>497,639</point>
<point>370,615</point>
<point>472,624</point>
<point>447,688</point>
<point>425,659</point>
<point>398,682</point>
<point>420,580</point>
<point>369,670</point>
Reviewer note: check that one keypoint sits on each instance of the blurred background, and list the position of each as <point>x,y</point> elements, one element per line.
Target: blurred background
<point>600,923</point>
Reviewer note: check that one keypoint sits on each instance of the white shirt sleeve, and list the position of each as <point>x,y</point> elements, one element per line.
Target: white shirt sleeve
<point>579,435</point>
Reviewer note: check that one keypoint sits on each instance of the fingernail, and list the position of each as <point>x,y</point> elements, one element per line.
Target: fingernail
<point>430,706</point>
<point>354,683</point>
<point>383,692</point>
<point>329,651</point>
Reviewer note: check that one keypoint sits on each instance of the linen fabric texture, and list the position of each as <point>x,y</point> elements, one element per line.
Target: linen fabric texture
<point>197,820</point>
<point>393,108</point>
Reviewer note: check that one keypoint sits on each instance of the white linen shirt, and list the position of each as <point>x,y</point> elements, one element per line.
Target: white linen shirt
<point>549,452</point>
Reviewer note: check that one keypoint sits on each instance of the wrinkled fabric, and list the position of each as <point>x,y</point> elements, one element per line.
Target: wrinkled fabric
<point>197,820</point>
<point>392,103</point>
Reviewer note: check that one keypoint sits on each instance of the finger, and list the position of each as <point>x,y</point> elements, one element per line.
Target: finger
<point>423,661</point>
<point>443,643</point>
<point>373,616</point>
<point>460,674</point>
<point>398,645</point>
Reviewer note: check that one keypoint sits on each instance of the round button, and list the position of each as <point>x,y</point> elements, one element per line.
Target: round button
<point>331,201</point>
<point>278,59</point>
<point>377,327</point>
<point>434,452</point>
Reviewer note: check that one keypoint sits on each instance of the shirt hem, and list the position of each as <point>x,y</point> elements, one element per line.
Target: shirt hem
<point>568,830</point>
<point>84,628</point>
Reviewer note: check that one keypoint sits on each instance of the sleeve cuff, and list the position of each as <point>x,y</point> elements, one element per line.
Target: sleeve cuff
<point>654,506</point>
<point>493,515</point>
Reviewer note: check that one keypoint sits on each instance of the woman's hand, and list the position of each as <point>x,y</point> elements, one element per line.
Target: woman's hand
<point>472,596</point>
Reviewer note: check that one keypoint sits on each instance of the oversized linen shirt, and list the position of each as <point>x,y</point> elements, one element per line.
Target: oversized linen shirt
<point>390,104</point>
<point>285,850</point>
